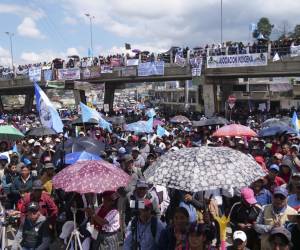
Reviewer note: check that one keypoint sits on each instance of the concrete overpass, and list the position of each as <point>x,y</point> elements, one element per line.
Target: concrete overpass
<point>224,77</point>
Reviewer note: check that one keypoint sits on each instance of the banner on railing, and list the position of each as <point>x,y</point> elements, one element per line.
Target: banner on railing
<point>35,74</point>
<point>151,68</point>
<point>115,62</point>
<point>47,74</point>
<point>91,72</point>
<point>55,84</point>
<point>106,69</point>
<point>68,74</point>
<point>295,51</point>
<point>132,62</point>
<point>242,60</point>
<point>196,64</point>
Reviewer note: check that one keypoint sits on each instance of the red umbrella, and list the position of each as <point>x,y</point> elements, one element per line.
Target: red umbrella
<point>90,177</point>
<point>234,130</point>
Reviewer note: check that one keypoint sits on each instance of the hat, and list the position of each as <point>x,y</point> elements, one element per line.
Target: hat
<point>241,142</point>
<point>48,140</point>
<point>259,159</point>
<point>239,235</point>
<point>33,207</point>
<point>287,162</point>
<point>144,139</point>
<point>136,149</point>
<point>3,157</point>
<point>281,190</point>
<point>49,165</point>
<point>66,230</point>
<point>31,141</point>
<point>113,195</point>
<point>281,231</point>
<point>248,195</point>
<point>296,174</point>
<point>37,185</point>
<point>278,156</point>
<point>122,150</point>
<point>296,147</point>
<point>97,132</point>
<point>141,184</point>
<point>269,145</point>
<point>274,167</point>
<point>57,140</point>
<point>41,139</point>
<point>127,158</point>
<point>81,133</point>
<point>37,144</point>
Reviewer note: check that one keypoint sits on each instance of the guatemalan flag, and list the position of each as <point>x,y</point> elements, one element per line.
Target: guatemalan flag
<point>49,116</point>
<point>88,113</point>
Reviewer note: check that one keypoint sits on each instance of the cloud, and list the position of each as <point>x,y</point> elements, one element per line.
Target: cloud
<point>28,28</point>
<point>70,20</point>
<point>21,10</point>
<point>5,59</point>
<point>72,51</point>
<point>179,22</point>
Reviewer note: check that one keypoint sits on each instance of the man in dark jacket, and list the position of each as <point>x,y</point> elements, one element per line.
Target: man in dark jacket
<point>35,229</point>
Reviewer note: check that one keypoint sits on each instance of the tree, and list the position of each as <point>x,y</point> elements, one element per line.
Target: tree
<point>264,27</point>
<point>296,33</point>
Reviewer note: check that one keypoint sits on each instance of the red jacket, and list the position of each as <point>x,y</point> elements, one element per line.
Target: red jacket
<point>47,206</point>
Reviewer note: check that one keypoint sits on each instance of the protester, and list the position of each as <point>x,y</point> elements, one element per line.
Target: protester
<point>280,238</point>
<point>239,241</point>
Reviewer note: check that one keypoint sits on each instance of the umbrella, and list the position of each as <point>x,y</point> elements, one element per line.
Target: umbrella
<point>118,120</point>
<point>136,51</point>
<point>40,131</point>
<point>90,177</point>
<point>79,122</point>
<point>211,122</point>
<point>180,119</point>
<point>276,130</point>
<point>234,130</point>
<point>10,133</point>
<point>157,122</point>
<point>204,168</point>
<point>275,122</point>
<point>71,158</point>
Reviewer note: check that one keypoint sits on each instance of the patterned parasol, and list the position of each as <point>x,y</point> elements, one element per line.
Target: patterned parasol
<point>90,177</point>
<point>179,119</point>
<point>204,168</point>
<point>234,130</point>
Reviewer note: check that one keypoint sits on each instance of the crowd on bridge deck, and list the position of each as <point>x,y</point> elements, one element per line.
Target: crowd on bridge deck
<point>282,47</point>
<point>263,215</point>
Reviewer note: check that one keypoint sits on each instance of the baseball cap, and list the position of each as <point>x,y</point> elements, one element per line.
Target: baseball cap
<point>141,184</point>
<point>3,157</point>
<point>127,158</point>
<point>278,156</point>
<point>37,144</point>
<point>239,235</point>
<point>144,139</point>
<point>280,231</point>
<point>33,207</point>
<point>248,195</point>
<point>122,150</point>
<point>31,141</point>
<point>281,190</point>
<point>37,185</point>
<point>274,167</point>
<point>136,149</point>
<point>48,165</point>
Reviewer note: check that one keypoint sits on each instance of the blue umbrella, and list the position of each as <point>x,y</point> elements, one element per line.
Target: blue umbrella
<point>276,130</point>
<point>71,158</point>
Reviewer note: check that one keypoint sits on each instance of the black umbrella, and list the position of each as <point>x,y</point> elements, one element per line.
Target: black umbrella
<point>79,122</point>
<point>211,122</point>
<point>40,131</point>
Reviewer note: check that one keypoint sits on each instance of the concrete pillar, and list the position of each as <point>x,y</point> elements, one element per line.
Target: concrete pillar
<point>28,102</point>
<point>209,97</point>
<point>186,94</point>
<point>79,96</point>
<point>109,96</point>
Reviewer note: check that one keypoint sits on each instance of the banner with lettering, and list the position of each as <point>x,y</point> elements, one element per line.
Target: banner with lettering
<point>35,74</point>
<point>295,51</point>
<point>151,68</point>
<point>47,74</point>
<point>68,74</point>
<point>132,62</point>
<point>106,69</point>
<point>241,60</point>
<point>196,64</point>
<point>91,72</point>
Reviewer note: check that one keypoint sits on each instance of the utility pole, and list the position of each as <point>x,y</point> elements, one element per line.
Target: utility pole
<point>221,21</point>
<point>91,31</point>
<point>10,35</point>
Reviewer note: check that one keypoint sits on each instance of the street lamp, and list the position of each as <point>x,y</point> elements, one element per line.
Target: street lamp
<point>10,35</point>
<point>91,30</point>
<point>221,21</point>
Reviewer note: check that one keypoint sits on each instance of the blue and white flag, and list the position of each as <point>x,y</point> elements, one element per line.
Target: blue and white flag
<point>295,122</point>
<point>149,125</point>
<point>151,113</point>
<point>88,113</point>
<point>252,27</point>
<point>15,149</point>
<point>48,114</point>
<point>160,131</point>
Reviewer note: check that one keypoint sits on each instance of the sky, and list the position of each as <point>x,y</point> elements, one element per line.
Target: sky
<point>45,29</point>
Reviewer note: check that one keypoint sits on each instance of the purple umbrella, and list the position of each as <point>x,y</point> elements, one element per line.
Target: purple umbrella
<point>157,122</point>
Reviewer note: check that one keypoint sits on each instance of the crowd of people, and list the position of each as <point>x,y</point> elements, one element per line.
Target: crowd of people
<point>265,215</point>
<point>282,47</point>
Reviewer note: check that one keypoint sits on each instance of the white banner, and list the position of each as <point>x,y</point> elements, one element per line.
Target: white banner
<point>132,62</point>
<point>242,60</point>
<point>68,74</point>
<point>196,64</point>
<point>35,74</point>
<point>295,51</point>
<point>179,60</point>
<point>151,68</point>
